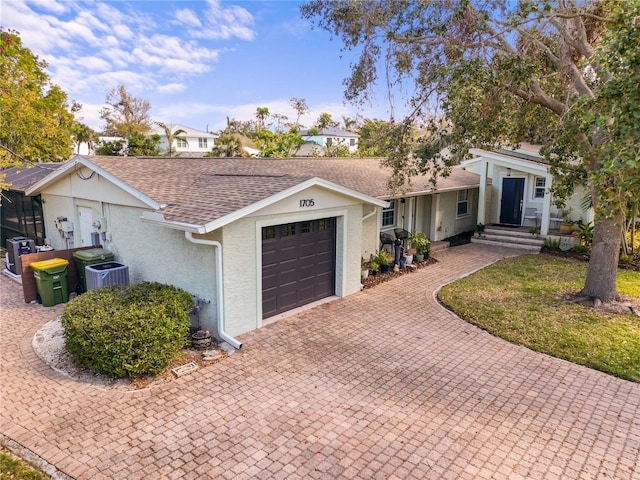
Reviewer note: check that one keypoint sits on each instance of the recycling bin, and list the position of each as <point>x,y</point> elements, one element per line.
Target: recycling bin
<point>51,281</point>
<point>85,258</point>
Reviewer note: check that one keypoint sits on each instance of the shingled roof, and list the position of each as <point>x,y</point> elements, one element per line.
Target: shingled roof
<point>198,191</point>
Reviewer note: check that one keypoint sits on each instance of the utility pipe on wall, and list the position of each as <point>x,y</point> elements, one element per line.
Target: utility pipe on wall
<point>219,291</point>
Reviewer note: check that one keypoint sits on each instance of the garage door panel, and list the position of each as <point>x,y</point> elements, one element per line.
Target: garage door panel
<point>298,264</point>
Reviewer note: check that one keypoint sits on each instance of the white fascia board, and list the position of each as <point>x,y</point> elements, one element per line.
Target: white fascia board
<point>81,161</point>
<point>512,162</point>
<point>157,218</point>
<point>312,182</point>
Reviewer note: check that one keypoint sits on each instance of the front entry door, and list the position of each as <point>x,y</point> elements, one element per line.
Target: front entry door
<point>511,204</point>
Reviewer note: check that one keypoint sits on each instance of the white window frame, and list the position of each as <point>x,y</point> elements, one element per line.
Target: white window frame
<point>539,190</point>
<point>203,142</point>
<point>391,213</point>
<point>463,201</point>
<point>181,143</point>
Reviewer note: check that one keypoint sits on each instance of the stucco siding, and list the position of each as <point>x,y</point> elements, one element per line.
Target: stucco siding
<point>90,186</point>
<point>243,258</point>
<point>54,206</point>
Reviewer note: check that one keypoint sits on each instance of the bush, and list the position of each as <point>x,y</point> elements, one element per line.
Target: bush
<point>127,331</point>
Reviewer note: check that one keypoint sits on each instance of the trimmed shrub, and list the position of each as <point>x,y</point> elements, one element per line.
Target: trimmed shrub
<point>127,331</point>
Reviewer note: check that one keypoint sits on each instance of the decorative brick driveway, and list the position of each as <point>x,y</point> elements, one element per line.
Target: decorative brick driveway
<point>382,384</point>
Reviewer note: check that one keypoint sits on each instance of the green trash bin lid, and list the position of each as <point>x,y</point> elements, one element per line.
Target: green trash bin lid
<point>92,254</point>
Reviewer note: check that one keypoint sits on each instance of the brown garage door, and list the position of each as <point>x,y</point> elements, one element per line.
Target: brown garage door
<point>298,264</point>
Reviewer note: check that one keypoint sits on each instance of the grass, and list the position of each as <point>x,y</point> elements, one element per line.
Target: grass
<point>12,468</point>
<point>521,300</point>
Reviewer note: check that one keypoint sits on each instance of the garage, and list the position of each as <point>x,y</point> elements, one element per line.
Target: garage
<point>298,264</point>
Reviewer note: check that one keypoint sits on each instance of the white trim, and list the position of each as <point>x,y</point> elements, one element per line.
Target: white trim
<point>503,159</point>
<point>312,182</point>
<point>341,217</point>
<point>79,160</point>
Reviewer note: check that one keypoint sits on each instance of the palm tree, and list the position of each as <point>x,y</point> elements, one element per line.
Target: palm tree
<point>227,145</point>
<point>262,113</point>
<point>172,136</point>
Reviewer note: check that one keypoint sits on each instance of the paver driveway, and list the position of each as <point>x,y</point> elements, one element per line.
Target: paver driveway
<point>382,384</point>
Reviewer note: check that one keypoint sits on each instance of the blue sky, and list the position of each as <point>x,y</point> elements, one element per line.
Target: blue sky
<point>196,62</point>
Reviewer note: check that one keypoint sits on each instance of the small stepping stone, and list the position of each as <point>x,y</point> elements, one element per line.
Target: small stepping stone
<point>184,369</point>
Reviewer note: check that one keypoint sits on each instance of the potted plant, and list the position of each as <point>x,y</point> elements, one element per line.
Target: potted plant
<point>374,266</point>
<point>567,225</point>
<point>364,270</point>
<point>383,258</point>
<point>421,244</point>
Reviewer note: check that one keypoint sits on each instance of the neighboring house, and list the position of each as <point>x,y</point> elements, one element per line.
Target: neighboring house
<point>515,187</point>
<point>256,237</point>
<point>193,143</point>
<point>89,148</point>
<point>331,137</point>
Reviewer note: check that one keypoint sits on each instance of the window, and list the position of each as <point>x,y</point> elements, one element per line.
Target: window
<point>203,143</point>
<point>388,214</point>
<point>540,187</point>
<point>181,142</point>
<point>268,233</point>
<point>288,230</point>
<point>352,142</point>
<point>329,141</point>
<point>463,203</point>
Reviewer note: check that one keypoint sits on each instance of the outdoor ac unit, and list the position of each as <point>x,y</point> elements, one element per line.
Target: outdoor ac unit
<point>104,274</point>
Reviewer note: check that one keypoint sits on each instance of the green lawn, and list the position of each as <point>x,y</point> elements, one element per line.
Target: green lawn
<point>521,300</point>
<point>13,468</point>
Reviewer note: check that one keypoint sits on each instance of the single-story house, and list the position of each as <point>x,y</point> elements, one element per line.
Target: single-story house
<point>255,237</point>
<point>515,190</point>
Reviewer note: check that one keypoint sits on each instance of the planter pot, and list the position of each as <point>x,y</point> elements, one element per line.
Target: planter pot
<point>385,268</point>
<point>201,340</point>
<point>408,258</point>
<point>364,273</point>
<point>567,228</point>
<point>419,257</point>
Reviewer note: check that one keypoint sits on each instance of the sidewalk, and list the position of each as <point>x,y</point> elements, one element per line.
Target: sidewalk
<point>359,388</point>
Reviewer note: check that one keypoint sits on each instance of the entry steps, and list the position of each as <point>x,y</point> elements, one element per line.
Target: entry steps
<point>509,237</point>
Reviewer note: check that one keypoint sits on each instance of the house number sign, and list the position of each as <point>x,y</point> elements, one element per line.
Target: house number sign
<point>307,202</point>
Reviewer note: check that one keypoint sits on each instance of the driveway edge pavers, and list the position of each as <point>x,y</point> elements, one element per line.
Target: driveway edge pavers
<point>384,383</point>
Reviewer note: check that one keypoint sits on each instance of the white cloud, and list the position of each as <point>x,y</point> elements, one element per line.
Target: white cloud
<point>224,22</point>
<point>187,17</point>
<point>52,6</point>
<point>171,88</point>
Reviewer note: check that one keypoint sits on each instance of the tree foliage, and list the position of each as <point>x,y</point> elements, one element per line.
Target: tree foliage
<point>172,136</point>
<point>125,114</point>
<point>500,72</point>
<point>36,121</point>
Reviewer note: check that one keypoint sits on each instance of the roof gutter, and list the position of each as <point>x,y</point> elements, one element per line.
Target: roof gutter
<point>219,291</point>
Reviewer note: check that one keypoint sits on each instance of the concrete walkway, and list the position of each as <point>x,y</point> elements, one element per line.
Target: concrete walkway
<point>364,387</point>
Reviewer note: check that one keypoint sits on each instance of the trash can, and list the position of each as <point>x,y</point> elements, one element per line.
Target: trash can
<point>51,281</point>
<point>104,274</point>
<point>84,258</point>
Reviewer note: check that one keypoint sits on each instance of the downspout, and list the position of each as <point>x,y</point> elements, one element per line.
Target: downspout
<point>219,291</point>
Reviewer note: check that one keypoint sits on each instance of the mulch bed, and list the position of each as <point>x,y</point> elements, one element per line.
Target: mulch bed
<point>373,280</point>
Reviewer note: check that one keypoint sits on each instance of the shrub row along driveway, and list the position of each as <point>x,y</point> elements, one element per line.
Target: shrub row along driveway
<point>382,384</point>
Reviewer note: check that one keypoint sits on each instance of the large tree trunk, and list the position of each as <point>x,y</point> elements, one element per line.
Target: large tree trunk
<point>603,264</point>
